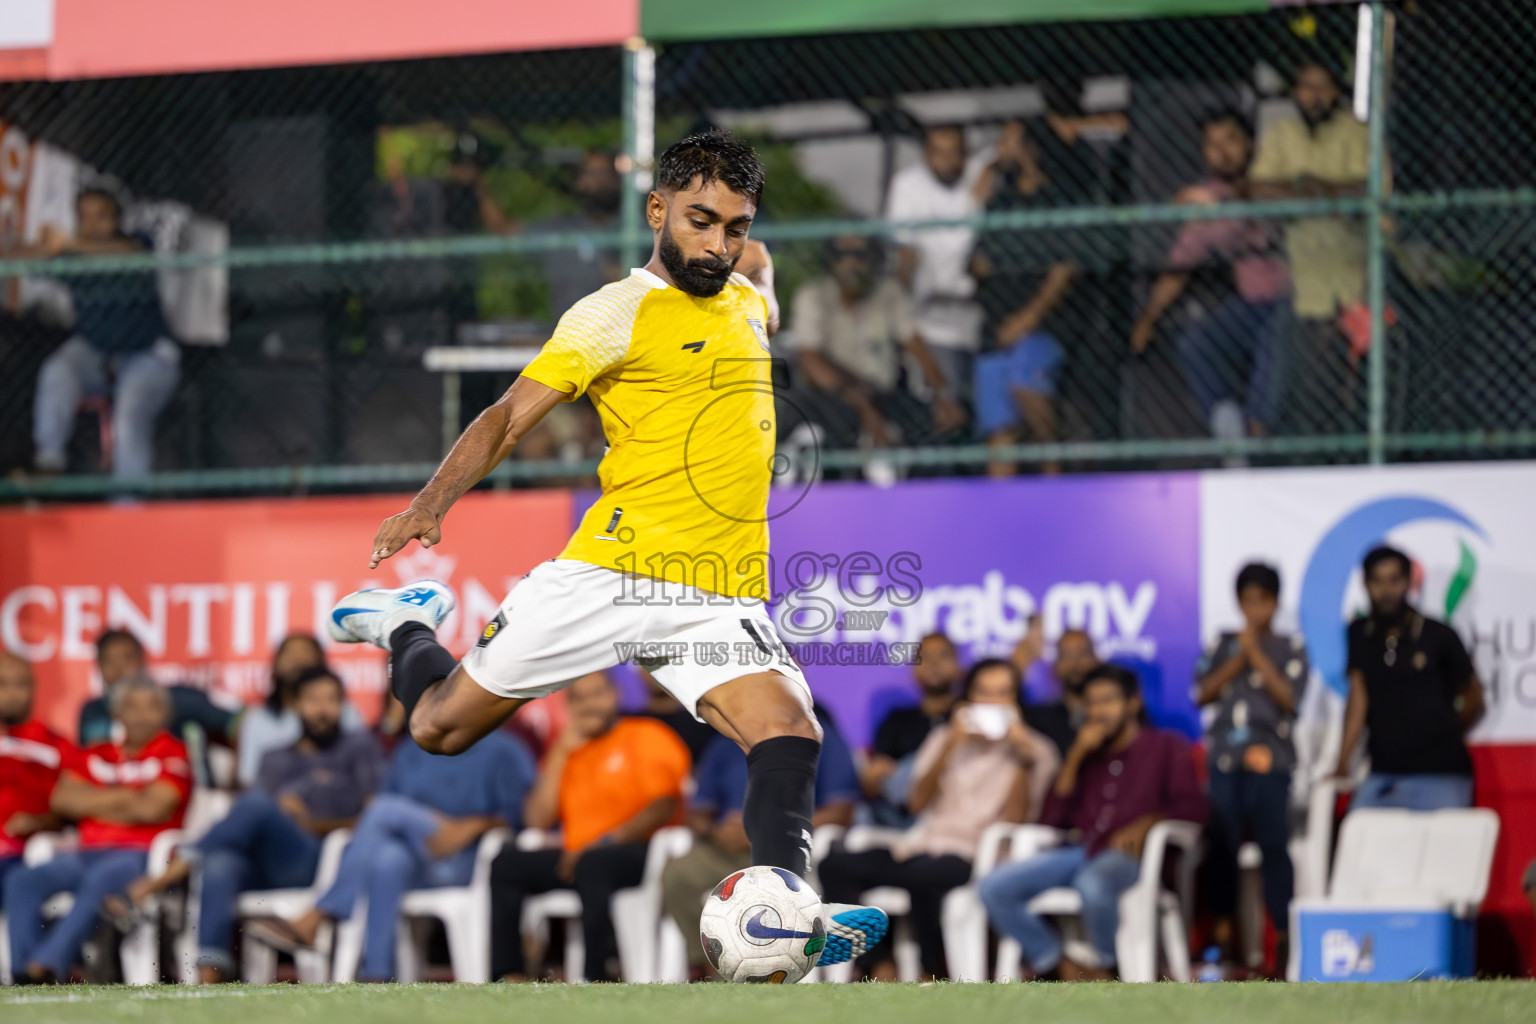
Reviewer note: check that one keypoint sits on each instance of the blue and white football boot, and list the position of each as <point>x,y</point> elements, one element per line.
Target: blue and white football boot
<point>370,616</point>
<point>852,931</point>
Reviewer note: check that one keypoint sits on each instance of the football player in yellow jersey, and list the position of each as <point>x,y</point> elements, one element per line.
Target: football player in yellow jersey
<point>670,564</point>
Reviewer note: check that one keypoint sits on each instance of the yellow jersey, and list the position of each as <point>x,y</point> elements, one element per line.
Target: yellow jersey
<point>684,388</point>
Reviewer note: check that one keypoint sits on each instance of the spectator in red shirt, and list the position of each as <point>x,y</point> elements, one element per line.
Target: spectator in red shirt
<point>1118,780</point>
<point>30,757</point>
<point>121,796</point>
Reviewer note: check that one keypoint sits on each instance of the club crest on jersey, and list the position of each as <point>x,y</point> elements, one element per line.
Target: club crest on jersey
<point>493,627</point>
<point>760,331</point>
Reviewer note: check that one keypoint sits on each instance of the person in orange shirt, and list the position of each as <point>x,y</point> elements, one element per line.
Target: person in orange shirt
<point>122,795</point>
<point>608,782</point>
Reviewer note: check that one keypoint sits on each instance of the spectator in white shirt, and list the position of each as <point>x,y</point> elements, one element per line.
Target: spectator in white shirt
<point>934,261</point>
<point>850,328</point>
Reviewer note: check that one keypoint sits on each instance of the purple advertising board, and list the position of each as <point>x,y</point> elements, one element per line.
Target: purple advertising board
<point>862,573</point>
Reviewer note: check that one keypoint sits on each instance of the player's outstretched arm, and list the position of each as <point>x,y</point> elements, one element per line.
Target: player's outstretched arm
<point>480,449</point>
<point>756,265</point>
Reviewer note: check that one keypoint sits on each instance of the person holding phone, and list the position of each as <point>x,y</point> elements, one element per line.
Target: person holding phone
<point>983,766</point>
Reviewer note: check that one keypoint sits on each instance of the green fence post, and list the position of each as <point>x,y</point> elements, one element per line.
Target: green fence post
<point>1376,269</point>
<point>639,117</point>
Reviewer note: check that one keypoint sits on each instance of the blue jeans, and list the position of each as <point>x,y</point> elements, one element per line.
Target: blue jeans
<point>1235,339</point>
<point>1413,792</point>
<point>146,381</point>
<point>386,859</point>
<point>256,847</point>
<point>91,875</point>
<point>1100,880</point>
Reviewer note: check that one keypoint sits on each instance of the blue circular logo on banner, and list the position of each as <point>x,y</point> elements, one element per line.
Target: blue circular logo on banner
<point>1337,556</point>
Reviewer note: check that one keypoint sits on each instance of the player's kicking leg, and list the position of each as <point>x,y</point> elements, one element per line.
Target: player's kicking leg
<point>446,711</point>
<point>767,715</point>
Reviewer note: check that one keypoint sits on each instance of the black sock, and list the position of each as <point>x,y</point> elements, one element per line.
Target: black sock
<point>781,797</point>
<point>416,661</point>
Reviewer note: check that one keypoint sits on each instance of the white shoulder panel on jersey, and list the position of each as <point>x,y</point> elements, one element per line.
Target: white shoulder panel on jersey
<point>602,324</point>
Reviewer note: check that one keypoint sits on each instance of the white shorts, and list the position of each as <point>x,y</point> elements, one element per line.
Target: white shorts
<point>568,618</point>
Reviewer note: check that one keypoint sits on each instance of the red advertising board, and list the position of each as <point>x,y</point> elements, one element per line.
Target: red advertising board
<point>210,586</point>
<point>110,38</point>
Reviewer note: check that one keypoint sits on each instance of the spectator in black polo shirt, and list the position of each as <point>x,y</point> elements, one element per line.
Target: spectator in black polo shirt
<point>887,774</point>
<point>1057,719</point>
<point>1413,687</point>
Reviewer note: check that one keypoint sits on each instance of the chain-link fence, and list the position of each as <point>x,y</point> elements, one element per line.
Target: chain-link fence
<point>1088,245</point>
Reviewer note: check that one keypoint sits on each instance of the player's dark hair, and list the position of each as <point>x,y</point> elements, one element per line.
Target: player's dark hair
<point>113,636</point>
<point>715,155</point>
<point>319,673</point>
<point>1384,553</point>
<point>1121,676</point>
<point>1228,115</point>
<point>987,665</point>
<point>1257,574</point>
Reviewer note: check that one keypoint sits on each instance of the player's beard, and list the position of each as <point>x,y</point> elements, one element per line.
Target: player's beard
<point>703,278</point>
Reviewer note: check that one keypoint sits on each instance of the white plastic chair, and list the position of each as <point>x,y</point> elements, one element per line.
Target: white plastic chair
<point>965,918</point>
<point>896,903</point>
<point>637,917</point>
<point>1409,861</point>
<point>465,911</point>
<point>563,904</point>
<point>1152,919</point>
<point>258,961</point>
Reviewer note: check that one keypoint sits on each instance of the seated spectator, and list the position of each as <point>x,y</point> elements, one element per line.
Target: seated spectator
<point>720,843</point>
<point>421,832</point>
<point>1323,154</point>
<point>121,795</point>
<point>932,262</point>
<point>983,766</point>
<point>275,724</point>
<point>1060,717</point>
<point>271,838</point>
<point>851,327</point>
<point>667,709</point>
<point>195,720</point>
<point>31,755</point>
<point>1024,281</point>
<point>1414,692</point>
<point>607,783</point>
<point>887,772</point>
<point>1231,354</point>
<point>1119,779</point>
<point>1252,681</point>
<point>121,343</point>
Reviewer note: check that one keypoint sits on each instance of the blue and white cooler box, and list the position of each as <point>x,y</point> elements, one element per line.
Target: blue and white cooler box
<point>1365,943</point>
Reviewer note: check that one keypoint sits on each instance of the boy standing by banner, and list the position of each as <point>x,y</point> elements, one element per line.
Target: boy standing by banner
<point>1252,681</point>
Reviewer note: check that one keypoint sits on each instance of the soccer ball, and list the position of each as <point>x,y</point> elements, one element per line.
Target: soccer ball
<point>763,926</point>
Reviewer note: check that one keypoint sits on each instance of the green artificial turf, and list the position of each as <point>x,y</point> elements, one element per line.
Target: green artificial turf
<point>1414,1003</point>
